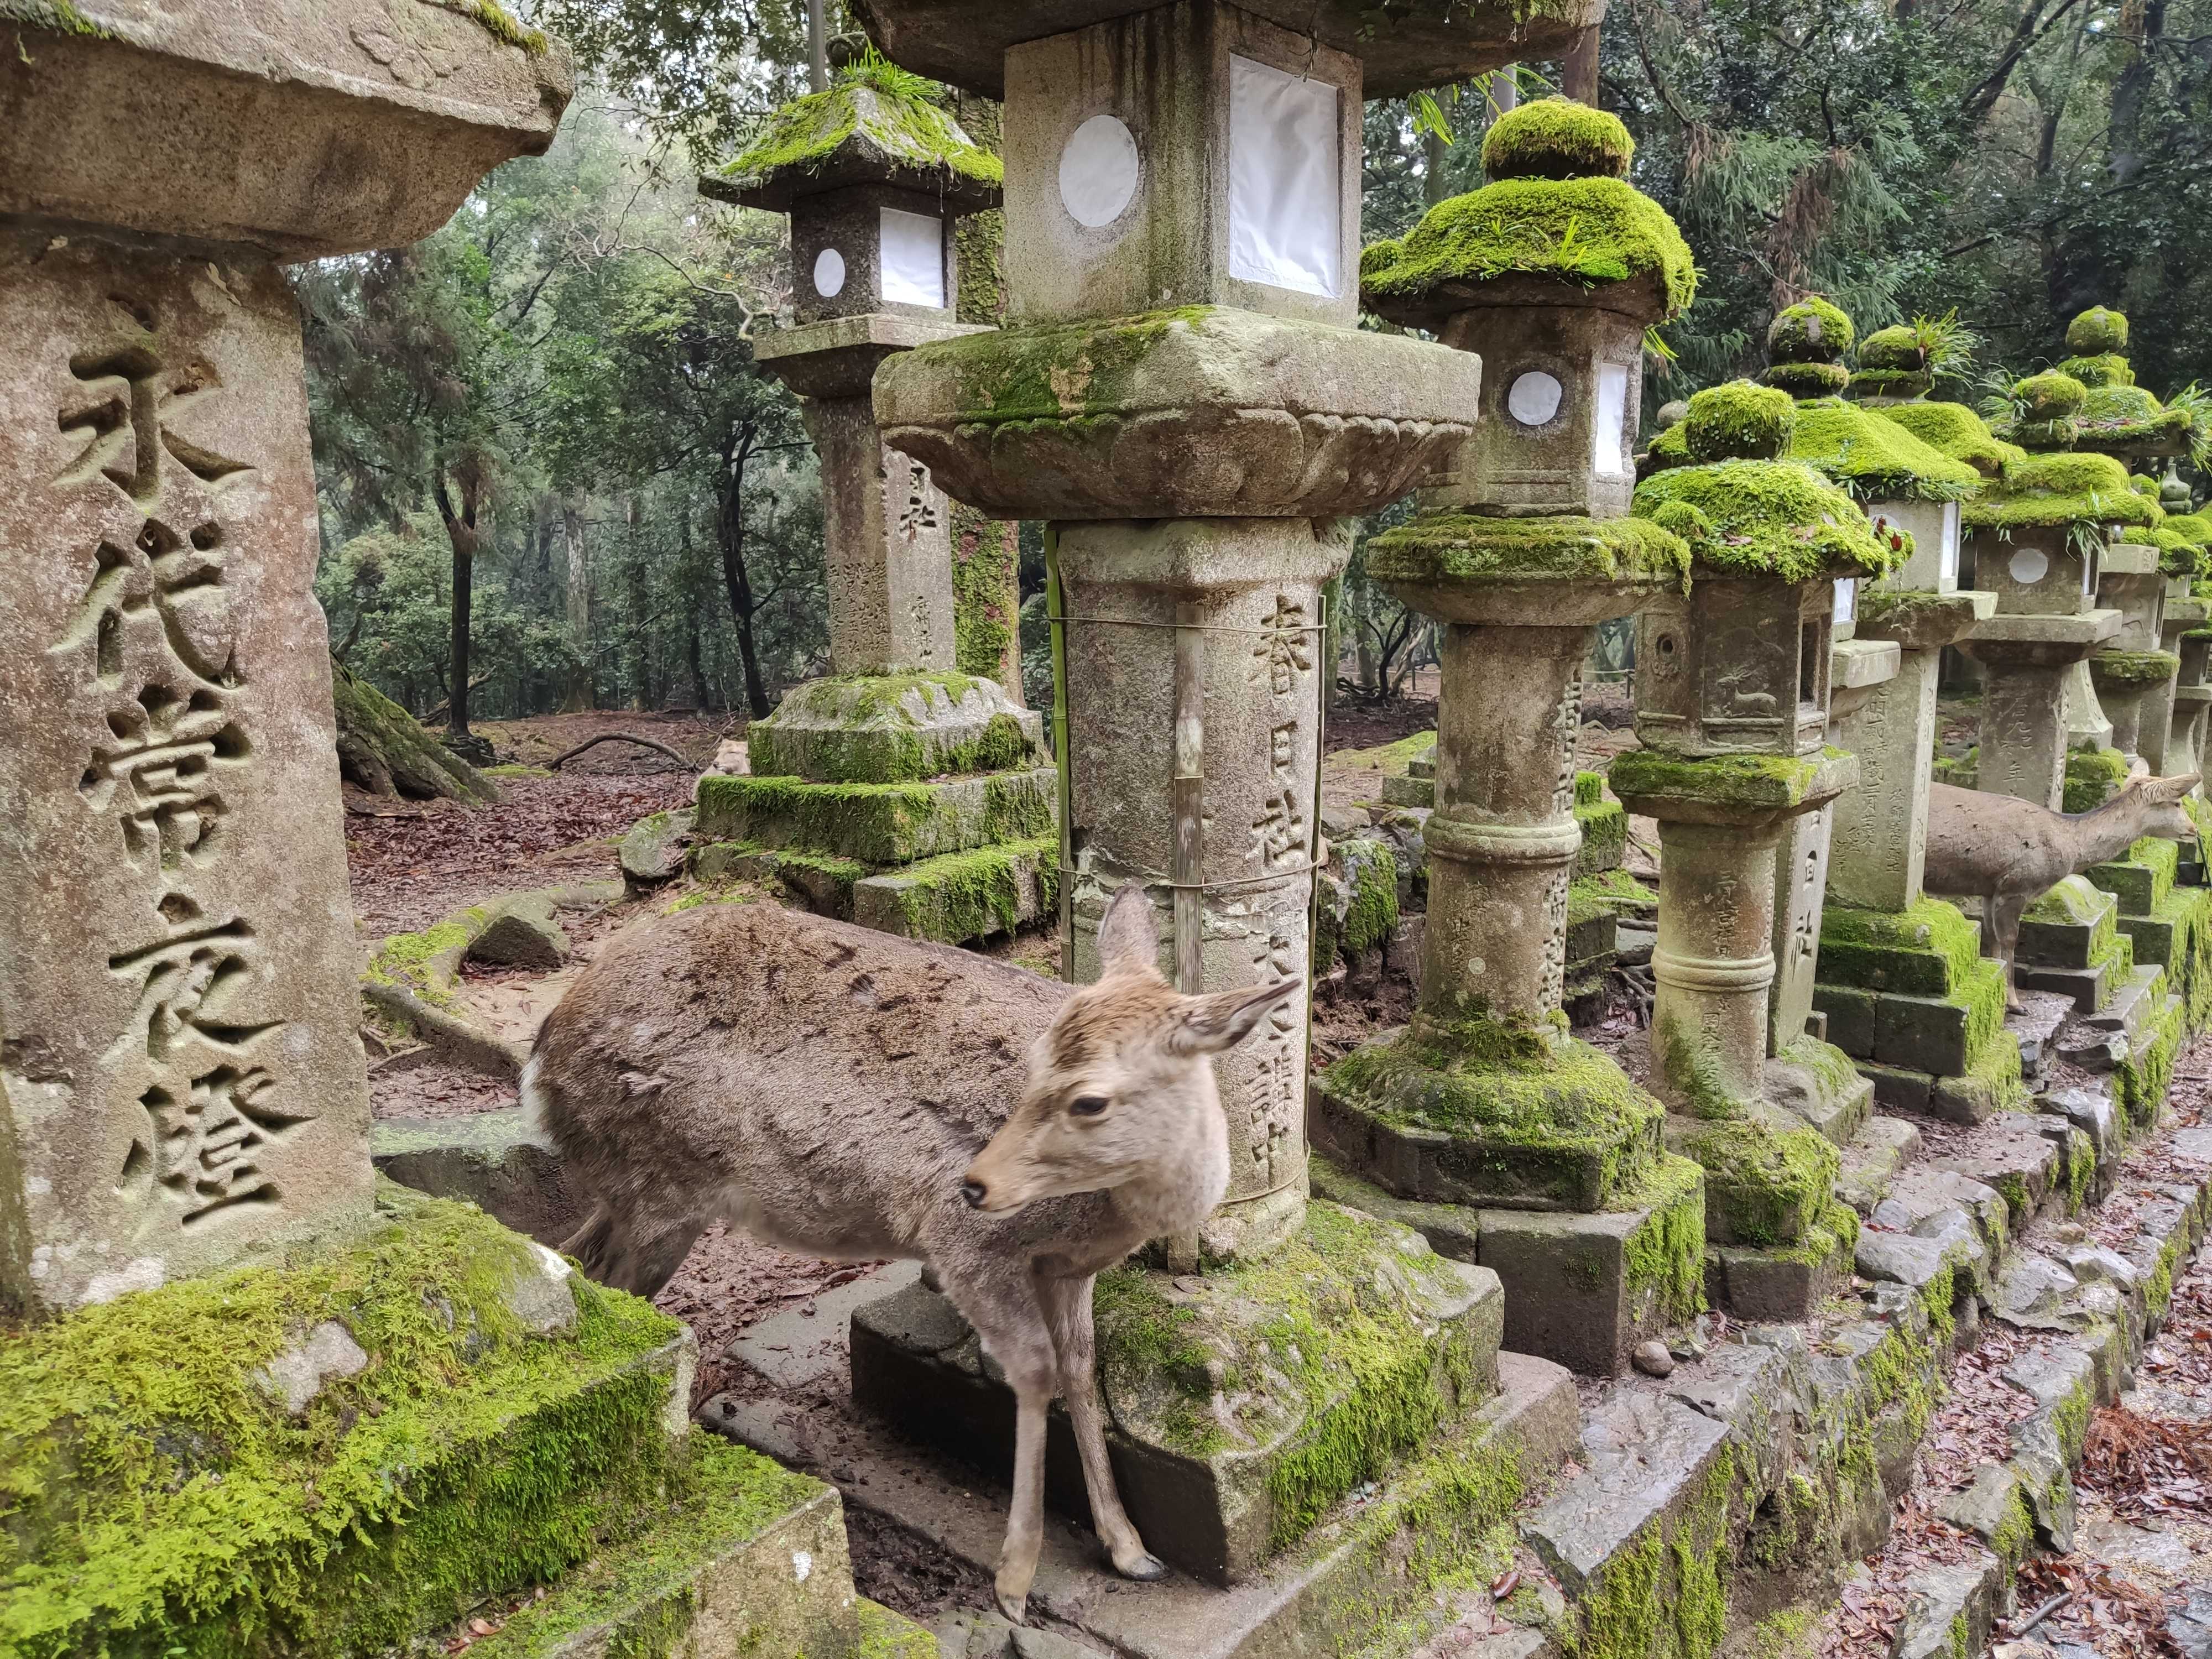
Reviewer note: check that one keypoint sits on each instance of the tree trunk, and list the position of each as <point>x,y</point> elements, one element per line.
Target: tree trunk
<point>577,694</point>
<point>640,627</point>
<point>691,641</point>
<point>730,538</point>
<point>457,715</point>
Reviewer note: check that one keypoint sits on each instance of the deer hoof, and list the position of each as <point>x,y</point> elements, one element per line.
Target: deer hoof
<point>1015,1607</point>
<point>1147,1569</point>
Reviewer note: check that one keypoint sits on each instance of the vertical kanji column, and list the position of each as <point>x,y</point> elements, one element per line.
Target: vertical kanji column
<point>183,1081</point>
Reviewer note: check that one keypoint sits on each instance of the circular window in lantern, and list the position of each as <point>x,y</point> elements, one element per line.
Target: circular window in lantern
<point>2029,566</point>
<point>1098,172</point>
<point>829,273</point>
<point>1534,398</point>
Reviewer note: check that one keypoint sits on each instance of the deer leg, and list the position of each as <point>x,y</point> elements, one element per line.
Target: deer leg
<point>1067,1306</point>
<point>2006,911</point>
<point>1005,1312</point>
<point>628,1253</point>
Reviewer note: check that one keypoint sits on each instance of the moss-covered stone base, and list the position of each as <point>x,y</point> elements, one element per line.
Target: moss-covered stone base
<point>330,1455</point>
<point>2094,776</point>
<point>1245,1402</point>
<point>2069,941</point>
<point>878,823</point>
<point>894,729</point>
<point>2165,924</point>
<point>1479,1113</point>
<point>961,896</point>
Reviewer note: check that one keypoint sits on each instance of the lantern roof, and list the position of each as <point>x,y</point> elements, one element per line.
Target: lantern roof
<point>1403,44</point>
<point>2050,491</point>
<point>1556,214</point>
<point>875,126</point>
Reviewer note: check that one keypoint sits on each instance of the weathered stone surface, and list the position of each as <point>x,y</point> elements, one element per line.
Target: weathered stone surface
<point>1945,1604</point>
<point>295,1376</point>
<point>894,728</point>
<point>522,932</point>
<point>498,1161</point>
<point>177,1008</point>
<point>652,851</point>
<point>961,896</point>
<point>307,131</point>
<point>1647,1456</point>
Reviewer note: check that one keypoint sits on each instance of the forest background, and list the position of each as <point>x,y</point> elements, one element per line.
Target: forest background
<point>552,475</point>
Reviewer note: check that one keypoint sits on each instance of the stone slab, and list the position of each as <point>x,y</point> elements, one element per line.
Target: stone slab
<point>307,130</point>
<point>1646,1458</point>
<point>964,896</point>
<point>498,1161</point>
<point>807,1345</point>
<point>878,823</point>
<point>1336,1593</point>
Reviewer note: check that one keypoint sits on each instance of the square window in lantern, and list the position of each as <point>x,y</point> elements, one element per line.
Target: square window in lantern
<point>1608,456</point>
<point>913,258</point>
<point>1286,222</point>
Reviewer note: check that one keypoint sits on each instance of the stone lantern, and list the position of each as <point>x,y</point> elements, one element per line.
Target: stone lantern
<point>874,178</point>
<point>1732,708</point>
<point>2134,674</point>
<point>1182,393</point>
<point>1520,552</point>
<point>2184,632</point>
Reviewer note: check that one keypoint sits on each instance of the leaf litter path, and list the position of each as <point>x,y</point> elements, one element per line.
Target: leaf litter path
<point>2143,1539</point>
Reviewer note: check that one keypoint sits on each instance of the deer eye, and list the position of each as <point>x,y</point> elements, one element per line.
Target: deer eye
<point>1087,1105</point>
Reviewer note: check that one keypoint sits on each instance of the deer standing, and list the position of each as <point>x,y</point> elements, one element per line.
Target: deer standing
<point>848,1094</point>
<point>2007,853</point>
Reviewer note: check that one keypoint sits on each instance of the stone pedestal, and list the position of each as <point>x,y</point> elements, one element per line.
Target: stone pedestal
<point>2026,659</point>
<point>2160,723</point>
<point>2133,676</point>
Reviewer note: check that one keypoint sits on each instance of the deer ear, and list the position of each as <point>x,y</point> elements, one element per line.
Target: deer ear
<point>1213,1024</point>
<point>1129,935</point>
<point>2170,789</point>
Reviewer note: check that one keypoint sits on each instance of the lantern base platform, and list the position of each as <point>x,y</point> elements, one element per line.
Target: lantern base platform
<point>2069,941</point>
<point>1480,1115</point>
<point>1580,1289</point>
<point>1815,1083</point>
<point>2166,925</point>
<point>894,728</point>
<point>955,898</point>
<point>1243,1403</point>
<point>1778,1238</point>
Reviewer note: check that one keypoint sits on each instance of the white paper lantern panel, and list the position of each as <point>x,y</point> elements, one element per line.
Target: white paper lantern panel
<point>1286,222</point>
<point>912,260</point>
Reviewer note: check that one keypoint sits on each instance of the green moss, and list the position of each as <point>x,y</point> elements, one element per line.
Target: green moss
<point>425,963</point>
<point>2050,491</point>
<point>2094,776</point>
<point>154,1500</point>
<point>2133,668</point>
<point>2142,1077</point>
<point>1765,1187</point>
<point>1747,780</point>
<point>2127,421</point>
<point>1771,517</point>
<point>958,897</point>
<point>500,23</point>
<point>1876,459</point>
<point>1372,917</point>
<point>1807,380</point>
<point>1665,1595</point>
<point>54,17</point>
<point>867,116</point>
<point>2098,329</point>
<point>1324,1322</point>
<point>986,593</point>
<point>1958,432</point>
<point>2050,396</point>
<point>1664,1260</point>
<point>878,823</point>
<point>2107,369</point>
<point>1478,549</point>
<point>1671,448</point>
<point>1814,331</point>
<point>1613,890</point>
<point>1583,231</point>
<point>1067,372</point>
<point>2193,527</point>
<point>1391,759</point>
<point>1896,348</point>
<point>1740,420</point>
<point>1557,138</point>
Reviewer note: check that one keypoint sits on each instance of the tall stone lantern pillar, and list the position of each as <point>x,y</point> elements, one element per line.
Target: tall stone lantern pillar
<point>180,1067</point>
<point>1520,553</point>
<point>1181,392</point>
<point>1732,712</point>
<point>874,179</point>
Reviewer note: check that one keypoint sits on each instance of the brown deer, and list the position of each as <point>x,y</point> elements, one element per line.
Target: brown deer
<point>2007,853</point>
<point>843,1092</point>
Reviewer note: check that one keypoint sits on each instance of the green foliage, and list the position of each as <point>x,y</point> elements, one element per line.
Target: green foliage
<point>1557,138</point>
<point>1467,547</point>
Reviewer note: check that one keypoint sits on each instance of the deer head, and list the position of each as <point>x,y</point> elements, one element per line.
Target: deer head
<point>1120,1091</point>
<point>2152,806</point>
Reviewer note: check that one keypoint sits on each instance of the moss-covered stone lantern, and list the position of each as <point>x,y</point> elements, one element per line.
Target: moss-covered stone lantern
<point>1895,367</point>
<point>2115,416</point>
<point>1732,705</point>
<point>2185,539</point>
<point>1552,273</point>
<point>1522,550</point>
<point>873,176</point>
<point>1183,394</point>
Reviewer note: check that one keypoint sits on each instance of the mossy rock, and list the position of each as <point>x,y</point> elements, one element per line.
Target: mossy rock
<point>2133,667</point>
<point>1557,138</point>
<point>385,750</point>
<point>1740,422</point>
<point>2050,396</point>
<point>1778,518</point>
<point>2099,329</point>
<point>1814,331</point>
<point>1956,431</point>
<point>2094,776</point>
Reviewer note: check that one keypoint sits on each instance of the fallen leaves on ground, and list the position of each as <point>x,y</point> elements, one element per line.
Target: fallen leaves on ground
<point>2147,1467</point>
<point>2106,1609</point>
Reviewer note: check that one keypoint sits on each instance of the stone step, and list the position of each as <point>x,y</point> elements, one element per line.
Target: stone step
<point>1931,1203</point>
<point>1646,1458</point>
<point>1950,1611</point>
<point>878,823</point>
<point>2135,1000</point>
<point>2016,1154</point>
<point>749,1558</point>
<point>498,1161</point>
<point>959,897</point>
<point>1409,791</point>
<point>1345,1588</point>
<point>1872,1158</point>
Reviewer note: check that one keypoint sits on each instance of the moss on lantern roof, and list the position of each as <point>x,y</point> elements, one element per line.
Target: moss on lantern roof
<point>2109,369</point>
<point>2048,396</point>
<point>1477,547</point>
<point>1778,517</point>
<point>1805,348</point>
<point>1893,363</point>
<point>1876,459</point>
<point>872,115</point>
<point>1957,431</point>
<point>2178,555</point>
<point>2098,330</point>
<point>2127,419</point>
<point>1557,138</point>
<point>2193,527</point>
<point>1739,421</point>
<point>1671,448</point>
<point>2048,490</point>
<point>1586,231</point>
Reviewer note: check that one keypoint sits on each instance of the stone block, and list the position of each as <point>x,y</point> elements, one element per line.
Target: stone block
<point>894,728</point>
<point>880,823</point>
<point>652,851</point>
<point>1584,1290</point>
<point>1452,1229</point>
<point>1426,1119</point>
<point>2069,927</point>
<point>1851,1015</point>
<point>1767,1184</point>
<point>1774,1285</point>
<point>1924,1034</point>
<point>1647,1459</point>
<point>960,896</point>
<point>514,1423</point>
<point>2138,884</point>
<point>179,1072</point>
<point>1922,951</point>
<point>749,1559</point>
<point>521,932</point>
<point>1218,1483</point>
<point>498,1161</point>
<point>1409,791</point>
<point>1895,1091</point>
<point>1605,832</point>
<point>1816,1083</point>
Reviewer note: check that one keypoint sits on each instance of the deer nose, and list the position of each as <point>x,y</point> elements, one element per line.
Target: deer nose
<point>973,1192</point>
